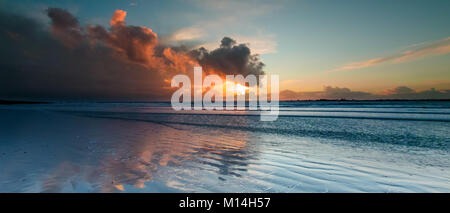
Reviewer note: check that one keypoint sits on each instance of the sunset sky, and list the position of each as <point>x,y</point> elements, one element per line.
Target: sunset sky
<point>376,47</point>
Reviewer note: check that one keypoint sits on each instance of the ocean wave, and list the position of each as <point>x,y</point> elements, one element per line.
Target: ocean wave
<point>340,127</point>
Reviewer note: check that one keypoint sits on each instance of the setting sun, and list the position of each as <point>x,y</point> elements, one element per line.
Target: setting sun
<point>235,88</point>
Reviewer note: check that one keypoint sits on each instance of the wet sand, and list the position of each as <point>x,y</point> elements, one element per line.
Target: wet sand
<point>51,151</point>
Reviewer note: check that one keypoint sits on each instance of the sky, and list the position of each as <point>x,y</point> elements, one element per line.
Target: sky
<point>318,48</point>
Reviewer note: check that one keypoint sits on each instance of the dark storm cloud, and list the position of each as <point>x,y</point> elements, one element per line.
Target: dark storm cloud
<point>65,27</point>
<point>68,61</point>
<point>137,43</point>
<point>230,58</point>
<point>36,65</point>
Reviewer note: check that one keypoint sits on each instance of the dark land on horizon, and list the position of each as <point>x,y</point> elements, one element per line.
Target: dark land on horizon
<point>14,102</point>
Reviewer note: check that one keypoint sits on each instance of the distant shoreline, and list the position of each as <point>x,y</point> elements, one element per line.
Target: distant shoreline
<point>369,100</point>
<point>14,102</point>
<point>11,102</point>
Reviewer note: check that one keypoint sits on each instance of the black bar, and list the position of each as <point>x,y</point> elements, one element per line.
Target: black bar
<point>247,202</point>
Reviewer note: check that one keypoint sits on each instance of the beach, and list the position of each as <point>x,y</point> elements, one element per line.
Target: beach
<point>314,146</point>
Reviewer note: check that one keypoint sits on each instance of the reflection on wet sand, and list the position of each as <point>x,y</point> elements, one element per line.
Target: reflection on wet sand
<point>133,157</point>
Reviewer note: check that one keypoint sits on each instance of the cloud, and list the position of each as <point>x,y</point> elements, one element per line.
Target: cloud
<point>231,58</point>
<point>337,93</point>
<point>258,44</point>
<point>435,48</point>
<point>228,15</point>
<point>118,17</point>
<point>41,66</point>
<point>422,50</point>
<point>188,33</point>
<point>401,90</point>
<point>363,64</point>
<point>65,27</point>
<point>69,61</point>
<point>137,43</point>
<point>334,93</point>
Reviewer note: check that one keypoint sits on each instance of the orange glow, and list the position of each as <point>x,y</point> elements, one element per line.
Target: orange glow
<point>118,17</point>
<point>236,88</point>
<point>231,87</point>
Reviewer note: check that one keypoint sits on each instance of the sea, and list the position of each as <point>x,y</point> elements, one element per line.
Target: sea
<point>313,146</point>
